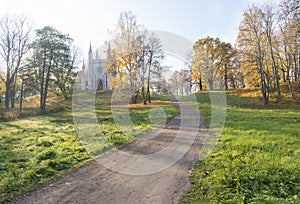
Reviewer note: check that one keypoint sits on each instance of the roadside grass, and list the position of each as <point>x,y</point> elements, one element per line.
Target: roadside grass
<point>37,149</point>
<point>257,159</point>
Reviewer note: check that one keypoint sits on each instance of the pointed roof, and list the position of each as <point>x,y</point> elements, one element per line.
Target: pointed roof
<point>90,50</point>
<point>97,54</point>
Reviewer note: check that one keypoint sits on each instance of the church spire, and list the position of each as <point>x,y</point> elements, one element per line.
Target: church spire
<point>97,54</point>
<point>90,50</point>
<point>90,55</point>
<point>83,65</point>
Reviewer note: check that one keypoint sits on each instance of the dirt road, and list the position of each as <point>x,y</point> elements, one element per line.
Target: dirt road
<point>94,183</point>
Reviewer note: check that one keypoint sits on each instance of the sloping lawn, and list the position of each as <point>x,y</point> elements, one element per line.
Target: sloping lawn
<point>257,159</point>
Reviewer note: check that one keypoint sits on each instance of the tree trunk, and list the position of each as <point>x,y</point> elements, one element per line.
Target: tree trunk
<point>144,96</point>
<point>274,68</point>
<point>225,77</point>
<point>46,87</point>
<point>13,91</point>
<point>148,82</point>
<point>21,96</point>
<point>263,84</point>
<point>296,68</point>
<point>262,75</point>
<point>211,84</point>
<point>7,88</point>
<point>200,84</point>
<point>7,96</point>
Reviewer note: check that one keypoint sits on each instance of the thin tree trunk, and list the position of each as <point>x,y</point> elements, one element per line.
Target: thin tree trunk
<point>46,87</point>
<point>225,77</point>
<point>21,96</point>
<point>7,96</point>
<point>7,88</point>
<point>148,82</point>
<point>211,84</point>
<point>13,91</point>
<point>200,84</point>
<point>42,73</point>
<point>274,68</point>
<point>144,96</point>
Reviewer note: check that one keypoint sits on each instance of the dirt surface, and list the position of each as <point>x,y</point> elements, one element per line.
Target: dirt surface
<point>95,183</point>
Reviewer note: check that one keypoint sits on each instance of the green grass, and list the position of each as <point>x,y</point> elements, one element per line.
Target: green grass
<point>37,149</point>
<point>163,97</point>
<point>257,159</point>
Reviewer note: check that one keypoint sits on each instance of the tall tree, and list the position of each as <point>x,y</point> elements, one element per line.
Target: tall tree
<point>153,59</point>
<point>14,39</point>
<point>205,61</point>
<point>52,61</point>
<point>251,45</point>
<point>288,49</point>
<point>65,68</point>
<point>134,57</point>
<point>225,54</point>
<point>269,19</point>
<point>125,53</point>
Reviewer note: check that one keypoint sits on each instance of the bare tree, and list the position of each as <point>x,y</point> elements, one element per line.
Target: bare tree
<point>269,20</point>
<point>134,57</point>
<point>251,43</point>
<point>14,39</point>
<point>155,55</point>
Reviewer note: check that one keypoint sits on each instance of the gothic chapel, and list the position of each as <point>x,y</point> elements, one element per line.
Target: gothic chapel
<point>93,77</point>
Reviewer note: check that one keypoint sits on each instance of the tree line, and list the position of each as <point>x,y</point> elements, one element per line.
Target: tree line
<point>34,62</point>
<point>266,55</point>
<point>268,45</point>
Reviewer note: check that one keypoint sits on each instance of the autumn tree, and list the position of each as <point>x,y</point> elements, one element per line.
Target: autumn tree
<point>125,53</point>
<point>14,39</point>
<point>288,46</point>
<point>225,63</point>
<point>134,57</point>
<point>205,62</point>
<point>268,44</point>
<point>251,45</point>
<point>269,19</point>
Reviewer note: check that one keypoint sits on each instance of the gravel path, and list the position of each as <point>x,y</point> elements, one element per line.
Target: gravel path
<point>95,183</point>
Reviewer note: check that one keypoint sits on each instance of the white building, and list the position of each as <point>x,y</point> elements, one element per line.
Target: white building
<point>92,73</point>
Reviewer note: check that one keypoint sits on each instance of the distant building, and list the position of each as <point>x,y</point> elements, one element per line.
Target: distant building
<point>92,75</point>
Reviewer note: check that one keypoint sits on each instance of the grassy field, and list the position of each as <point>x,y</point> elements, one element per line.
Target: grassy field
<point>36,149</point>
<point>31,107</point>
<point>257,159</point>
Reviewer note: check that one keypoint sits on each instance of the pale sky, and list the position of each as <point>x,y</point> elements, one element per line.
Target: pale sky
<point>89,20</point>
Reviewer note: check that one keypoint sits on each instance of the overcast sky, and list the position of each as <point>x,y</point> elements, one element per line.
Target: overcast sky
<point>89,20</point>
